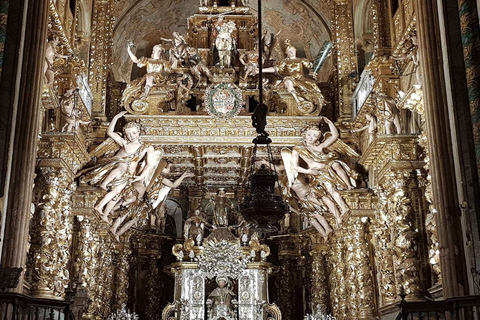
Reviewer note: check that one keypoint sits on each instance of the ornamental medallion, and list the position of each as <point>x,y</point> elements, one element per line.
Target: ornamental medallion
<point>223,100</point>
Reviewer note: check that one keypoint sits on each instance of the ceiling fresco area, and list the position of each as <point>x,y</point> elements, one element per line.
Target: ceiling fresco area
<point>306,22</point>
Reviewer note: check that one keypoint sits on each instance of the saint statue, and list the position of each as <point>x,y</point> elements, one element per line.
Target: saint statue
<point>250,60</point>
<point>50,55</point>
<point>371,127</point>
<point>294,80</point>
<point>197,68</point>
<point>70,113</point>
<point>221,207</point>
<point>195,226</point>
<point>224,41</point>
<point>220,301</point>
<point>390,113</point>
<point>157,67</point>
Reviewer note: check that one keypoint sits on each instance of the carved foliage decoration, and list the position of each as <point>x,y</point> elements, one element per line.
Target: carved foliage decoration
<point>222,258</point>
<point>51,234</point>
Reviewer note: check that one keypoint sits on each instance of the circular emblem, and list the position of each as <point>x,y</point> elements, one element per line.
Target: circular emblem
<point>223,100</point>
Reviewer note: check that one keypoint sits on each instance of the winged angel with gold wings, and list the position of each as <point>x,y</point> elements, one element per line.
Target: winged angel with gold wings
<point>132,177</point>
<point>318,178</point>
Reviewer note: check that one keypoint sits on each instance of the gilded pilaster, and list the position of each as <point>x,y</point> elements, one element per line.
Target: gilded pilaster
<point>100,55</point>
<point>381,27</point>
<point>345,55</point>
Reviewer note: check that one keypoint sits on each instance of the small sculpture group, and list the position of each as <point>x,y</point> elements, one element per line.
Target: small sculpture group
<point>133,178</point>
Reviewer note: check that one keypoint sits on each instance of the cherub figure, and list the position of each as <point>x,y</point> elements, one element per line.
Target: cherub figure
<point>184,86</point>
<point>122,169</point>
<point>69,111</point>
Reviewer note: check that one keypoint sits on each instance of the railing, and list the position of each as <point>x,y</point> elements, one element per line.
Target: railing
<point>14,306</point>
<point>461,308</point>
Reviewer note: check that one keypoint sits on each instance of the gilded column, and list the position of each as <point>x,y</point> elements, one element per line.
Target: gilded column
<point>319,284</point>
<point>100,55</point>
<point>383,250</point>
<point>471,50</point>
<point>363,272</point>
<point>122,267</point>
<point>345,55</point>
<point>51,234</point>
<point>21,92</point>
<point>336,265</point>
<point>351,291</point>
<point>93,266</point>
<point>284,284</point>
<point>442,170</point>
<point>407,258</point>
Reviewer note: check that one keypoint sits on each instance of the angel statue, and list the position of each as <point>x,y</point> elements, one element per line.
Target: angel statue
<point>303,200</point>
<point>143,198</point>
<point>157,69</point>
<point>326,175</point>
<point>294,80</point>
<point>121,170</point>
